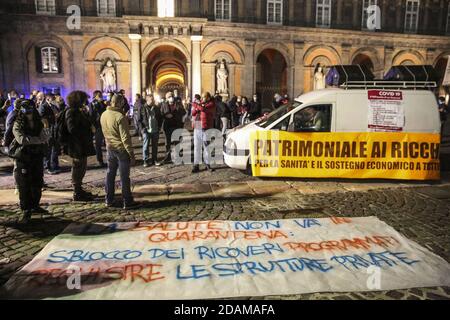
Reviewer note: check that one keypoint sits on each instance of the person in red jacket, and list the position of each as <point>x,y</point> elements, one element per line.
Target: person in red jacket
<point>203,113</point>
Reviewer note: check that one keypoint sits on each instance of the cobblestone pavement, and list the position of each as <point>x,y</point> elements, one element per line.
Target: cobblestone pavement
<point>420,211</point>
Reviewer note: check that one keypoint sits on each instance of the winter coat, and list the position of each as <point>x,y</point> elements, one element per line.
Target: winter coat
<point>96,109</point>
<point>29,144</point>
<point>145,118</point>
<point>80,138</point>
<point>255,110</point>
<point>116,130</point>
<point>205,112</point>
<point>177,111</point>
<point>47,113</point>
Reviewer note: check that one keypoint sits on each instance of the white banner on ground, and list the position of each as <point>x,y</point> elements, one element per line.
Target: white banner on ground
<point>217,259</point>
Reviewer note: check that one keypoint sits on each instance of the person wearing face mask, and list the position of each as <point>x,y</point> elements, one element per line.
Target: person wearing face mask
<point>172,114</point>
<point>203,114</point>
<point>150,124</point>
<point>255,108</point>
<point>30,142</point>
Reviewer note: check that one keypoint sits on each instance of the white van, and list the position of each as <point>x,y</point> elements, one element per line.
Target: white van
<point>343,111</point>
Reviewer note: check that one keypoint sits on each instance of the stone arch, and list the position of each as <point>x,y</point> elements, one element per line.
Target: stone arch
<point>408,55</point>
<point>325,51</point>
<point>443,55</point>
<point>278,46</point>
<point>371,53</point>
<point>324,55</point>
<point>51,40</point>
<point>223,47</point>
<point>166,42</point>
<point>96,45</point>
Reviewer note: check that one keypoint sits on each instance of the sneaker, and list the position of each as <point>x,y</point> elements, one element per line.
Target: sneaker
<point>131,205</point>
<point>210,168</point>
<point>159,164</point>
<point>51,172</point>
<point>196,169</point>
<point>39,210</point>
<point>146,165</point>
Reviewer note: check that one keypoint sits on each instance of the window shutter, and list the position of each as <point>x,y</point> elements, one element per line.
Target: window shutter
<point>37,51</point>
<point>59,56</point>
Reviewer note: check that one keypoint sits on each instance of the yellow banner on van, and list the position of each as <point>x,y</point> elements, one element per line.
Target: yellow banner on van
<point>371,155</point>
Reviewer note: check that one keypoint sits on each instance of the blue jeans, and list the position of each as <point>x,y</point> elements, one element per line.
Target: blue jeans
<point>118,160</point>
<point>152,138</point>
<point>99,140</point>
<point>51,160</point>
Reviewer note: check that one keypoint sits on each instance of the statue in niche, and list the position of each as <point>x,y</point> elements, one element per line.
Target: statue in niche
<point>222,78</point>
<point>108,76</point>
<point>319,78</point>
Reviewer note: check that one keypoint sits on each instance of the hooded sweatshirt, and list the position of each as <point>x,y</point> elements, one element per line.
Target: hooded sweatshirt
<point>116,131</point>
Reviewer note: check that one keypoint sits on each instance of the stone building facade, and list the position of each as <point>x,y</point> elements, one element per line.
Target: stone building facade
<point>156,45</point>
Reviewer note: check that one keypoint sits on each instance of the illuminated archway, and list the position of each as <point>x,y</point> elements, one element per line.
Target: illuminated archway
<point>167,71</point>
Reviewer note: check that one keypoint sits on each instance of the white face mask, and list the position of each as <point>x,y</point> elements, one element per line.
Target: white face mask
<point>171,100</point>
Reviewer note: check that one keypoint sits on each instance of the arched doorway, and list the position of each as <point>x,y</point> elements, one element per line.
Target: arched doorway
<point>271,75</point>
<point>364,60</point>
<point>440,67</point>
<point>167,71</point>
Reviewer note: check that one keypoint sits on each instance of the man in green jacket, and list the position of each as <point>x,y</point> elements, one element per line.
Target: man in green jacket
<point>120,151</point>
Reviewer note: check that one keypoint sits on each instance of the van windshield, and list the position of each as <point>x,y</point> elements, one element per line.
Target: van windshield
<point>277,114</point>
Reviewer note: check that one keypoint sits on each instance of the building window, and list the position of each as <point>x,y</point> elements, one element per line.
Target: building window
<point>365,13</point>
<point>275,11</point>
<point>448,20</point>
<point>50,58</point>
<point>106,8</point>
<point>323,13</point>
<point>166,8</point>
<point>45,7</point>
<point>412,15</point>
<point>223,10</point>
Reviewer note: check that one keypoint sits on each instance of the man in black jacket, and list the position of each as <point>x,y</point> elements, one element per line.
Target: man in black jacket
<point>80,145</point>
<point>150,121</point>
<point>96,109</point>
<point>173,114</point>
<point>47,113</point>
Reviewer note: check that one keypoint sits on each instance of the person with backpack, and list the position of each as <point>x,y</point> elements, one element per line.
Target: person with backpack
<point>96,109</point>
<point>28,150</point>
<point>79,142</point>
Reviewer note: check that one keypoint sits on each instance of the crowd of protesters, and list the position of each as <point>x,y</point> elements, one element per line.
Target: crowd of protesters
<point>40,128</point>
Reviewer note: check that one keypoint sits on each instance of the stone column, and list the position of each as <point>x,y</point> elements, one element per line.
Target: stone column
<point>78,79</point>
<point>346,53</point>
<point>249,86</point>
<point>388,56</point>
<point>298,77</point>
<point>136,86</point>
<point>196,83</point>
<point>144,77</point>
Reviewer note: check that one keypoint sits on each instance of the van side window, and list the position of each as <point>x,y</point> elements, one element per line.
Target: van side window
<point>283,125</point>
<point>313,119</point>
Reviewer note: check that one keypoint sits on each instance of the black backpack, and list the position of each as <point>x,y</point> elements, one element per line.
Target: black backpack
<point>60,133</point>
